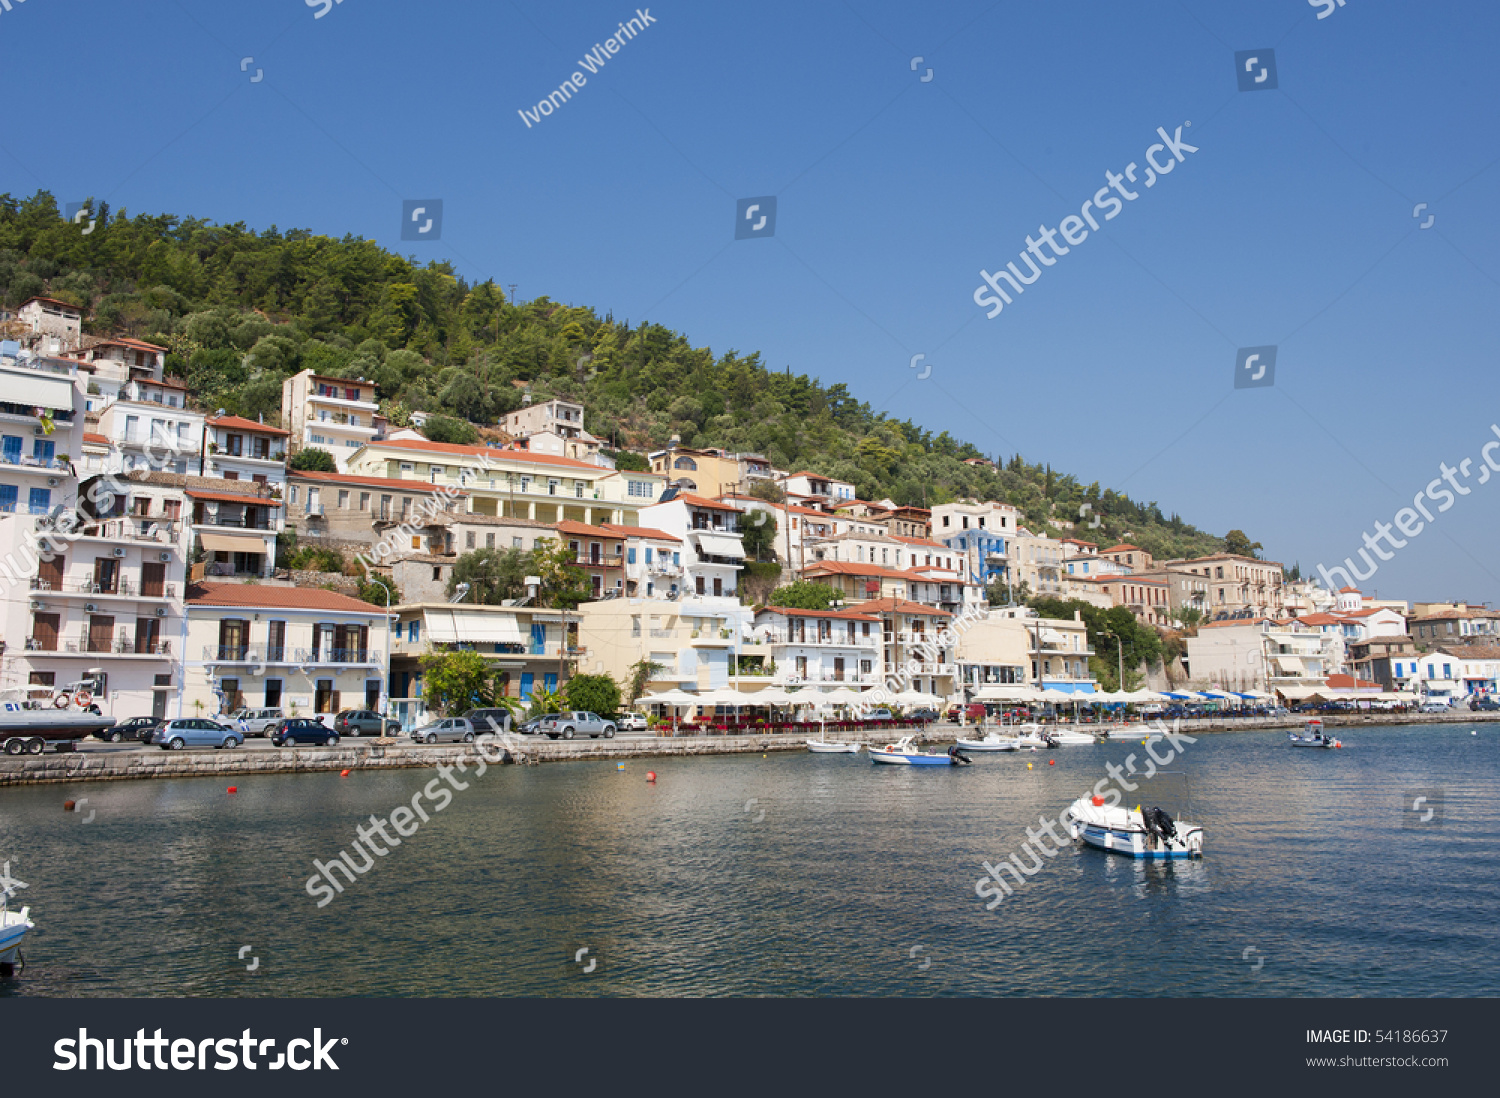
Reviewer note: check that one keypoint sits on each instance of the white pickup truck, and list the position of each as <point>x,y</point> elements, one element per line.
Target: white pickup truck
<point>577,722</point>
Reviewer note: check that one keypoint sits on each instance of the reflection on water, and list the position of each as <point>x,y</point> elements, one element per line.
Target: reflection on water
<point>854,878</point>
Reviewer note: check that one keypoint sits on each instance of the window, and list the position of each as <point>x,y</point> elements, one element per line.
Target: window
<point>685,463</point>
<point>343,499</point>
<point>515,543</point>
<point>413,631</point>
<point>437,572</point>
<point>639,488</point>
<point>648,555</point>
<point>578,487</point>
<point>292,493</point>
<point>489,541</point>
<point>469,540</point>
<point>630,555</point>
<point>677,559</point>
<point>416,543</point>
<point>553,484</point>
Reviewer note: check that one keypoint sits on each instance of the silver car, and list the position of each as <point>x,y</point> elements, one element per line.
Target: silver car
<point>578,722</point>
<point>255,722</point>
<point>450,729</point>
<point>195,732</point>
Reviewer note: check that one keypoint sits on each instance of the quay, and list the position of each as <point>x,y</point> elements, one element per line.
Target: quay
<point>104,762</point>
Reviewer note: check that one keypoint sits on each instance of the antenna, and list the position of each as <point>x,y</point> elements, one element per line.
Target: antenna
<point>513,293</point>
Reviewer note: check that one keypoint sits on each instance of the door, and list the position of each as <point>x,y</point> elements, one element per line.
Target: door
<point>153,579</point>
<point>838,668</point>
<point>101,632</point>
<point>718,586</point>
<point>527,679</point>
<point>372,693</point>
<point>159,697</point>
<point>324,696</point>
<point>106,573</point>
<point>44,632</point>
<point>273,693</point>
<point>49,573</point>
<point>233,699</point>
<point>147,635</point>
<point>276,643</point>
<point>232,639</point>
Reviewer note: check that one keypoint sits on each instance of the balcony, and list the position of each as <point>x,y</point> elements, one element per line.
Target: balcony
<point>342,402</point>
<point>124,589</point>
<point>835,640</point>
<point>236,522</point>
<point>162,531</point>
<point>35,464</point>
<point>251,654</point>
<point>585,561</point>
<point>85,646</point>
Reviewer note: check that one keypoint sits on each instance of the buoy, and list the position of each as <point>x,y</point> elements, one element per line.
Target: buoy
<point>1098,802</point>
<point>67,806</point>
<point>1028,766</point>
<point>1051,762</point>
<point>234,789</point>
<point>619,766</point>
<point>343,773</point>
<point>651,775</point>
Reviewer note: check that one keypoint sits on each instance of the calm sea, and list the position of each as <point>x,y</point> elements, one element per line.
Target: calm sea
<point>785,875</point>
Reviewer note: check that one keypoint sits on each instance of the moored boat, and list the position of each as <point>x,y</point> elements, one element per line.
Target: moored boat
<point>831,747</point>
<point>13,924</point>
<point>1312,735</point>
<point>1137,833</point>
<point>904,752</point>
<point>992,741</point>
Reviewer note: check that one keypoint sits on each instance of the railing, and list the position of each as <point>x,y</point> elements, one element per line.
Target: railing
<point>239,523</point>
<point>663,634</point>
<point>814,677</point>
<point>33,462</point>
<point>246,653</point>
<point>837,640</point>
<point>124,646</point>
<point>142,529</point>
<point>615,561</point>
<point>226,568</point>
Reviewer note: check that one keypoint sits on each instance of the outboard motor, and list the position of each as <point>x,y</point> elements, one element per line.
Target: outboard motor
<point>1163,825</point>
<point>956,754</point>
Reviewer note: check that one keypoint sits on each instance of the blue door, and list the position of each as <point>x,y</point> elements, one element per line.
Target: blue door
<point>526,680</point>
<point>549,681</point>
<point>12,449</point>
<point>7,497</point>
<point>41,500</point>
<point>43,449</point>
<point>538,640</point>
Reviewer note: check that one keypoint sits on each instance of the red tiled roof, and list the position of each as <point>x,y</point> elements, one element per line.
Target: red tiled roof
<point>640,532</point>
<point>701,501</point>
<point>231,497</point>
<point>927,542</point>
<point>842,615</point>
<point>97,440</point>
<point>1349,591</point>
<point>1318,619</point>
<point>900,606</point>
<point>1123,548</point>
<point>851,568</point>
<point>51,301</point>
<point>455,450</point>
<point>245,425</point>
<point>417,486</point>
<point>1236,621</point>
<point>276,598</point>
<point>568,526</point>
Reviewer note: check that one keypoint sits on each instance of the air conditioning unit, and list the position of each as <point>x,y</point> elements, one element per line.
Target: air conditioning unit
<point>35,605</point>
<point>165,555</point>
<point>161,611</point>
<point>119,550</point>
<point>39,432</point>
<point>51,482</point>
<point>91,608</point>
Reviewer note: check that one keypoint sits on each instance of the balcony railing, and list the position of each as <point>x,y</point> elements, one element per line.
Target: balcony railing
<point>238,522</point>
<point>836,640</point>
<point>123,588</point>
<point>39,464</point>
<point>121,646</point>
<point>159,530</point>
<point>246,653</point>
<point>585,561</point>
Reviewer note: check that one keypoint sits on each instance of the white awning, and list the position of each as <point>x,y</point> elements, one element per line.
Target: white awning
<point>482,627</point>
<point>1016,692</point>
<point>1290,664</point>
<point>43,392</point>
<point>232,543</point>
<point>1052,636</point>
<point>720,546</point>
<point>440,627</point>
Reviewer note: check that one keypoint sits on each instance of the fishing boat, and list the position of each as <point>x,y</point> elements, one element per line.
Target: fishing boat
<point>831,747</point>
<point>992,741</point>
<point>1069,736</point>
<point>1312,735</point>
<point>13,927</point>
<point>1135,832</point>
<point>904,752</point>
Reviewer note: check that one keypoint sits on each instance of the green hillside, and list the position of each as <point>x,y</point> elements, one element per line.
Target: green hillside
<point>242,310</point>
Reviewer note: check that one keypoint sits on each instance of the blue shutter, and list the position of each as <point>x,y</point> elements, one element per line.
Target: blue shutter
<point>7,497</point>
<point>549,681</point>
<point>630,555</point>
<point>677,559</point>
<point>648,554</point>
<point>538,640</point>
<point>41,500</point>
<point>527,678</point>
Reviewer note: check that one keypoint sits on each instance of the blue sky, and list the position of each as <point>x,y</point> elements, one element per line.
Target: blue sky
<point>1291,226</point>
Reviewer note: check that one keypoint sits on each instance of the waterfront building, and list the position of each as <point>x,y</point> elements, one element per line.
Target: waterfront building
<point>1462,624</point>
<point>1383,659</point>
<point>335,414</point>
<point>99,598</point>
<point>1037,561</point>
<point>1058,649</point>
<point>305,651</point>
<point>1264,654</point>
<point>1237,583</point>
<point>818,647</point>
<point>993,651</point>
<point>695,641</point>
<point>1459,671</point>
<point>913,657</point>
<point>354,511</point>
<point>41,430</point>
<point>1145,598</point>
<point>653,562</point>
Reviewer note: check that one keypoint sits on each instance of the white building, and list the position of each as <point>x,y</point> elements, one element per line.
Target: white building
<point>330,413</point>
<point>713,555</point>
<point>149,426</point>
<point>41,430</point>
<point>242,449</point>
<point>821,647</point>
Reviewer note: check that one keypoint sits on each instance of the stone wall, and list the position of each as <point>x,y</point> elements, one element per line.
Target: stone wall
<point>344,585</point>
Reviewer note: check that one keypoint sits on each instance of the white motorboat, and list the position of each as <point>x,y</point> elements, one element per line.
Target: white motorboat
<point>1313,736</point>
<point>1069,736</point>
<point>13,927</point>
<point>830,747</point>
<point>904,752</point>
<point>992,741</point>
<point>1135,832</point>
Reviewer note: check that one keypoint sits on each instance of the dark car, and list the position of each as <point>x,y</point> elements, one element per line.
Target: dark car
<point>496,720</point>
<point>1484,703</point>
<point>364,722</point>
<point>299,730</point>
<point>922,716</point>
<point>136,728</point>
<point>533,727</point>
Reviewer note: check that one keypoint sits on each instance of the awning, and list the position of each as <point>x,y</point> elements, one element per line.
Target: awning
<point>995,692</point>
<point>480,627</point>
<point>719,546</point>
<point>440,628</point>
<point>232,543</point>
<point>1052,636</point>
<point>231,497</point>
<point>1290,664</point>
<point>42,392</point>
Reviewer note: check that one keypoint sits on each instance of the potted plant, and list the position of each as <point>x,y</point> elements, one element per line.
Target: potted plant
<point>198,706</point>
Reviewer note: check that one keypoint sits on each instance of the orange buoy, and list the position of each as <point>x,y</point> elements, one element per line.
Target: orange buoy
<point>234,789</point>
<point>1051,762</point>
<point>651,775</point>
<point>1098,802</point>
<point>67,806</point>
<point>343,773</point>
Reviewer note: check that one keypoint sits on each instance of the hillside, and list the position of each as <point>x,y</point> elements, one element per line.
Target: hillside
<point>241,310</point>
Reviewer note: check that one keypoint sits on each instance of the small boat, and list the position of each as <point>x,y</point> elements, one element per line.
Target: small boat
<point>1136,833</point>
<point>993,741</point>
<point>904,752</point>
<point>1068,736</point>
<point>13,927</point>
<point>1312,736</point>
<point>830,747</point>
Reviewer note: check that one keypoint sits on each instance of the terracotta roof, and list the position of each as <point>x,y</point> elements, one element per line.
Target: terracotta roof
<point>1124,547</point>
<point>51,301</point>
<point>701,501</point>
<point>97,440</point>
<point>244,424</point>
<point>900,606</point>
<point>568,526</point>
<point>233,497</point>
<point>641,532</point>
<point>851,568</point>
<point>418,486</point>
<point>1079,541</point>
<point>260,595</point>
<point>842,615</point>
<point>927,542</point>
<point>1318,619</point>
<point>165,383</point>
<point>1470,651</point>
<point>1454,615</point>
<point>525,457</point>
<point>1235,621</point>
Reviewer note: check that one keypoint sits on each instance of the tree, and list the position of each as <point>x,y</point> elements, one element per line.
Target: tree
<point>597,693</point>
<point>641,672</point>
<point>767,490</point>
<point>564,586</point>
<point>804,595</point>
<point>374,588</point>
<point>453,682</point>
<point>493,575</point>
<point>758,534</point>
<point>310,459</point>
<point>447,429</point>
<point>546,701</point>
<point>1238,543</point>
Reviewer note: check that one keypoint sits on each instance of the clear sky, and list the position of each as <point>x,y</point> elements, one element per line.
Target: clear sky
<point>1291,226</point>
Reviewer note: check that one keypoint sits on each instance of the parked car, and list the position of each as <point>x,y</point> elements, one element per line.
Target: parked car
<point>255,722</point>
<point>481,719</point>
<point>880,715</point>
<point>1434,707</point>
<point>292,731</point>
<point>136,728</point>
<point>364,722</point>
<point>631,722</point>
<point>195,732</point>
<point>533,727</point>
<point>1484,703</point>
<point>578,722</point>
<point>452,729</point>
<point>974,711</point>
<point>922,716</point>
